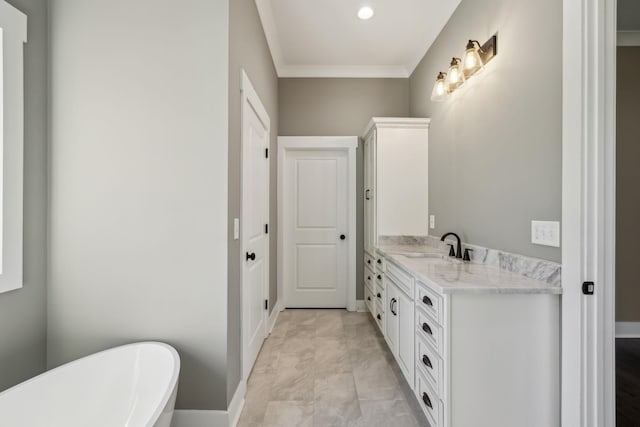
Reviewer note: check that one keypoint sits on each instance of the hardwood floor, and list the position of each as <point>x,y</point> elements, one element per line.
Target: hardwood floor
<point>628,382</point>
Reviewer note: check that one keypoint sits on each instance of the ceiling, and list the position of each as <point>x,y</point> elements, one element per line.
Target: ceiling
<point>325,38</point>
<point>628,15</point>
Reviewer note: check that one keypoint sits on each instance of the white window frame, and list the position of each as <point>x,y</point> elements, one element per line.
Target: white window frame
<point>13,25</point>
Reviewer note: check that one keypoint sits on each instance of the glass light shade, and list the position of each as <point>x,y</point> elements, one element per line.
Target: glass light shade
<point>455,76</point>
<point>440,92</point>
<point>471,61</point>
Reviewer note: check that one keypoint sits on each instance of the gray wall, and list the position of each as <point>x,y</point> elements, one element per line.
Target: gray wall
<point>495,149</point>
<point>627,179</point>
<point>248,50</point>
<point>330,107</point>
<point>138,183</point>
<point>23,311</point>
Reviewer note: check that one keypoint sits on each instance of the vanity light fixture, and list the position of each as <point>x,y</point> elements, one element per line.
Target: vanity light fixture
<point>455,76</point>
<point>440,93</point>
<point>365,12</point>
<point>474,59</point>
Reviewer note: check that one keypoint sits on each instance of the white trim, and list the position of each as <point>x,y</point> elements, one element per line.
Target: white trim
<point>349,143</point>
<point>588,212</point>
<point>344,71</point>
<point>361,307</point>
<point>200,418</point>
<point>13,37</point>
<point>628,38</point>
<point>273,318</point>
<point>248,95</point>
<point>627,329</point>
<point>396,122</point>
<point>237,403</point>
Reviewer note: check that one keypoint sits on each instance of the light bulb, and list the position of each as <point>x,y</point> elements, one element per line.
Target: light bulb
<point>472,61</point>
<point>439,92</point>
<point>455,78</point>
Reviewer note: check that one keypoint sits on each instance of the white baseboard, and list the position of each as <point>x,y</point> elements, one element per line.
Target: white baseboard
<point>196,418</point>
<point>361,307</point>
<point>627,329</point>
<point>274,315</point>
<point>237,403</point>
<point>213,418</point>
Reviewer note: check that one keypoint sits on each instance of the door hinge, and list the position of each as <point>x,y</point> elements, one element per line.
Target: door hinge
<point>266,153</point>
<point>266,229</point>
<point>266,304</point>
<point>588,288</point>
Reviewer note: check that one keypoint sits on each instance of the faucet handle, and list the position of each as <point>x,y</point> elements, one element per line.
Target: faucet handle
<point>466,256</point>
<point>452,252</point>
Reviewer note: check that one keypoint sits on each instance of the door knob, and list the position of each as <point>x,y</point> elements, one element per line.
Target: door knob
<point>251,256</point>
<point>342,237</point>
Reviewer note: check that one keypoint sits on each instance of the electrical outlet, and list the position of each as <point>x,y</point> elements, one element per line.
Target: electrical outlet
<point>432,221</point>
<point>545,233</point>
<point>236,228</point>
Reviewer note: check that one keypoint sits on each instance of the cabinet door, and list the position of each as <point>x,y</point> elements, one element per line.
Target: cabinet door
<point>367,197</point>
<point>393,323</point>
<point>406,336</point>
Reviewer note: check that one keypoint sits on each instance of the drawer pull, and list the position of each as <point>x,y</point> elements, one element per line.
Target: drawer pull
<point>426,400</point>
<point>369,298</point>
<point>379,318</point>
<point>369,278</point>
<point>427,329</point>
<point>379,296</point>
<point>427,361</point>
<point>427,300</point>
<point>393,301</point>
<point>368,261</point>
<point>379,261</point>
<point>379,277</point>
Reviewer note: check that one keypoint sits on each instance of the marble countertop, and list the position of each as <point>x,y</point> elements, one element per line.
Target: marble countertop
<point>449,275</point>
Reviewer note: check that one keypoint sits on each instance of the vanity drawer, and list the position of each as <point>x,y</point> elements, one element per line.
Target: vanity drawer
<point>379,293</point>
<point>369,278</point>
<point>432,365</point>
<point>429,402</point>
<point>380,264</point>
<point>369,299</point>
<point>428,329</point>
<point>429,301</point>
<point>401,278</point>
<point>369,261</point>
<point>380,316</point>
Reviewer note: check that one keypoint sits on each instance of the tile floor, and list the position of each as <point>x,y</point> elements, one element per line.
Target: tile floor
<point>326,368</point>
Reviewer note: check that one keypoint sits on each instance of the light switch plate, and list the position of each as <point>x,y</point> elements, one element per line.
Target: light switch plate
<point>236,228</point>
<point>545,233</point>
<point>432,221</point>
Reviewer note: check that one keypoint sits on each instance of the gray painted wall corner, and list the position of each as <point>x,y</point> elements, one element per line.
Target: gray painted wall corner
<point>23,311</point>
<point>248,50</point>
<point>495,147</point>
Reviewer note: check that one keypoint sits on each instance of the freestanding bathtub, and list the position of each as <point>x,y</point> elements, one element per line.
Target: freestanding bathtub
<point>130,386</point>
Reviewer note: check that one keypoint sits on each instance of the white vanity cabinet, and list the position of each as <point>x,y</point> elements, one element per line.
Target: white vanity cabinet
<point>475,358</point>
<point>396,160</point>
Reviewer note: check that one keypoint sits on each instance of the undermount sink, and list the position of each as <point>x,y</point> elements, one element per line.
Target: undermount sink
<point>423,255</point>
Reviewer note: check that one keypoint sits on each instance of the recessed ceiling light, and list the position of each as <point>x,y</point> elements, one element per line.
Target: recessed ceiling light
<point>365,13</point>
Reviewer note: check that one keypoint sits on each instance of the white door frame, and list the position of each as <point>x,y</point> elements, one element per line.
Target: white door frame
<point>250,99</point>
<point>588,212</point>
<point>349,144</point>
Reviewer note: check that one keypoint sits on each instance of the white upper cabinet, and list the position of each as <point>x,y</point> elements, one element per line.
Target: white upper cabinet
<point>396,178</point>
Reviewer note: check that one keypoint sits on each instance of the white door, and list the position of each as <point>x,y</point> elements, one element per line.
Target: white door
<point>316,225</point>
<point>255,217</point>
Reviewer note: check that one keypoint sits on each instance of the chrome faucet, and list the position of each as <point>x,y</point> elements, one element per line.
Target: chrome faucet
<point>458,253</point>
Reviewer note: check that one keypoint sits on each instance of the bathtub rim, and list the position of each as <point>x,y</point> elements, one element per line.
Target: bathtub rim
<point>173,384</point>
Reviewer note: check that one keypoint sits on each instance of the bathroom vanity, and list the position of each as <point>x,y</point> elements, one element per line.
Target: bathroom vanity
<point>479,345</point>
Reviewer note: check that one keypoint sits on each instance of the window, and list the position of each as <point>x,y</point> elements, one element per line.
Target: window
<point>13,35</point>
